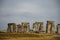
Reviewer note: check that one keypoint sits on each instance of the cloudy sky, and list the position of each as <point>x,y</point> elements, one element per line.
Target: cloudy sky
<point>17,11</point>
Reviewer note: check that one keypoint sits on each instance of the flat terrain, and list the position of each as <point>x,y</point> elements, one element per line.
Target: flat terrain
<point>27,36</point>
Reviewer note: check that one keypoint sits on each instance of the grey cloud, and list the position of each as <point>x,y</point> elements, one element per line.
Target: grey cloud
<point>28,10</point>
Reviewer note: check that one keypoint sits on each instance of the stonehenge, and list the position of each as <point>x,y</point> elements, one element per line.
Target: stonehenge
<point>38,27</point>
<point>50,27</point>
<point>35,27</point>
<point>24,27</point>
<point>11,27</point>
<point>19,28</point>
<point>58,28</point>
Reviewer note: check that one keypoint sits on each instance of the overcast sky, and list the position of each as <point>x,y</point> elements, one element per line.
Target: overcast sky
<point>17,11</point>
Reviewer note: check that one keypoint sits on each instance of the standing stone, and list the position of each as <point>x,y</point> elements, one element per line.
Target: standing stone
<point>19,28</point>
<point>35,27</point>
<point>58,28</point>
<point>41,29</point>
<point>16,28</point>
<point>38,27</point>
<point>25,27</point>
<point>11,27</point>
<point>50,27</point>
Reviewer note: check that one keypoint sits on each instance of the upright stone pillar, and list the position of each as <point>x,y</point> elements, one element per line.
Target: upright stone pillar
<point>22,27</point>
<point>41,29</point>
<point>58,28</point>
<point>28,27</point>
<point>16,28</point>
<point>38,27</point>
<point>35,27</point>
<point>50,27</point>
<point>25,27</point>
<point>11,27</point>
<point>19,28</point>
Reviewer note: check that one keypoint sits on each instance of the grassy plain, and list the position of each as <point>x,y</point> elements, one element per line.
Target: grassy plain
<point>27,36</point>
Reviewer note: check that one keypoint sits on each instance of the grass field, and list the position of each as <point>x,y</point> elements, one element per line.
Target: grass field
<point>27,36</point>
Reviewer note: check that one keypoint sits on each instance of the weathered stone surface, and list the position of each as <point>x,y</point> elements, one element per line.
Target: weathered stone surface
<point>58,28</point>
<point>25,26</point>
<point>11,27</point>
<point>50,27</point>
<point>41,29</point>
<point>19,28</point>
<point>38,27</point>
<point>35,27</point>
